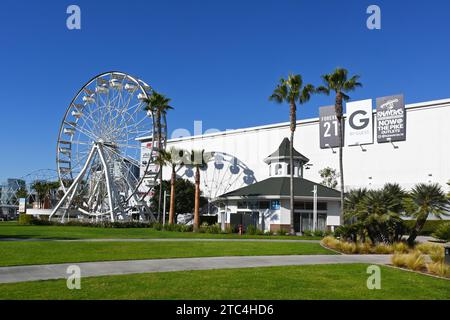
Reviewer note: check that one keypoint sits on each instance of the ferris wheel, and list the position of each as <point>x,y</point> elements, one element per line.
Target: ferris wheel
<point>223,173</point>
<point>99,149</point>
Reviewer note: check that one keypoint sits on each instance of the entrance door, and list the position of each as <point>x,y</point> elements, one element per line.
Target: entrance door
<point>307,221</point>
<point>246,219</point>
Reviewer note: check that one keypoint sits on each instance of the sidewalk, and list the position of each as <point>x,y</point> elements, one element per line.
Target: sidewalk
<point>91,269</point>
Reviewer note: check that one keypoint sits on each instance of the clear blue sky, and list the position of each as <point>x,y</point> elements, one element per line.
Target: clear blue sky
<point>217,60</point>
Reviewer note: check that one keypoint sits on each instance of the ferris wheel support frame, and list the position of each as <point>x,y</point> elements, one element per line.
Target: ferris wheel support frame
<point>97,147</point>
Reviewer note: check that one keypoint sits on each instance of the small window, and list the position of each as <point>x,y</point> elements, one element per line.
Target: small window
<point>275,204</point>
<point>309,206</point>
<point>278,169</point>
<point>299,205</point>
<point>242,205</point>
<point>322,206</point>
<point>264,204</point>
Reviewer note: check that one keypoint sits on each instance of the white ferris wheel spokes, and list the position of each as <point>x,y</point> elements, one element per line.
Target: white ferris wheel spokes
<point>99,148</point>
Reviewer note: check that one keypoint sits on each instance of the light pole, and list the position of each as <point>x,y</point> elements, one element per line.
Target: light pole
<point>314,208</point>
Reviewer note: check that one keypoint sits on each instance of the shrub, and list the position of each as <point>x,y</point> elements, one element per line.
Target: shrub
<point>330,242</point>
<point>228,230</point>
<point>347,232</point>
<point>428,248</point>
<point>383,249</point>
<point>400,247</point>
<point>414,261</point>
<point>437,254</point>
<point>348,247</point>
<point>25,219</point>
<point>439,268</point>
<point>253,230</point>
<point>364,248</point>
<point>307,233</point>
<point>399,260</point>
<point>318,233</point>
<point>443,232</point>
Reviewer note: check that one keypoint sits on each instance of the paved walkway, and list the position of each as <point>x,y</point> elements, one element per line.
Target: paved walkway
<point>90,269</point>
<point>159,240</point>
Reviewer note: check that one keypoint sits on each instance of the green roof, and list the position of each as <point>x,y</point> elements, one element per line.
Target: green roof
<point>284,151</point>
<point>279,186</point>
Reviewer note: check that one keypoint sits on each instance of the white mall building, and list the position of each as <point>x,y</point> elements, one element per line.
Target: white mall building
<point>424,156</point>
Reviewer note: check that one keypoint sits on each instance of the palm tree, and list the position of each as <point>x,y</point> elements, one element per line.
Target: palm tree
<point>199,160</point>
<point>425,199</point>
<point>159,105</point>
<point>292,91</point>
<point>339,83</point>
<point>161,160</point>
<point>174,158</point>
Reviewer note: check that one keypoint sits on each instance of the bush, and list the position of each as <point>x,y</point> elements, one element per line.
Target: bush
<point>307,233</point>
<point>318,233</point>
<point>25,219</point>
<point>383,249</point>
<point>439,268</point>
<point>442,232</point>
<point>400,247</point>
<point>413,261</point>
<point>252,230</point>
<point>437,254</point>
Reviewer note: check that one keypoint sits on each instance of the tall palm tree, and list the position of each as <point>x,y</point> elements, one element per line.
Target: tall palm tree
<point>174,158</point>
<point>159,105</point>
<point>292,91</point>
<point>340,83</point>
<point>198,159</point>
<point>425,199</point>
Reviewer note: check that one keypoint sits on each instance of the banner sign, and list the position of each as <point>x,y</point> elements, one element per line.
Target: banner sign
<point>359,124</point>
<point>329,129</point>
<point>391,119</point>
<point>22,205</point>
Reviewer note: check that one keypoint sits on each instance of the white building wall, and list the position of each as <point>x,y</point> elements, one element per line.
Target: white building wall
<point>423,157</point>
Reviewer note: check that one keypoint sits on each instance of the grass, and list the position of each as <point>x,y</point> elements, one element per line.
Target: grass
<point>270,283</point>
<point>47,252</point>
<point>13,230</point>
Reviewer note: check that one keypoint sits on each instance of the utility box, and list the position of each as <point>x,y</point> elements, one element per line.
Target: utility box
<point>447,254</point>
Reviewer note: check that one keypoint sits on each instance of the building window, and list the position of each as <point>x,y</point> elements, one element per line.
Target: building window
<point>264,204</point>
<point>242,205</point>
<point>308,205</point>
<point>274,204</point>
<point>278,169</point>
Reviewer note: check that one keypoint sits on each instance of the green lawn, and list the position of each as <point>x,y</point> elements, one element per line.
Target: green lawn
<point>46,252</point>
<point>13,230</point>
<point>299,282</point>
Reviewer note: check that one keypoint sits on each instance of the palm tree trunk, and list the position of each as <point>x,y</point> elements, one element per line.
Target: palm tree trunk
<point>420,222</point>
<point>158,141</point>
<point>340,119</point>
<point>197,199</point>
<point>172,197</point>
<point>293,118</point>
<point>341,168</point>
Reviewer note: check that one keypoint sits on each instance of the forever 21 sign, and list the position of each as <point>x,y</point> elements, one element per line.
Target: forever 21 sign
<point>329,129</point>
